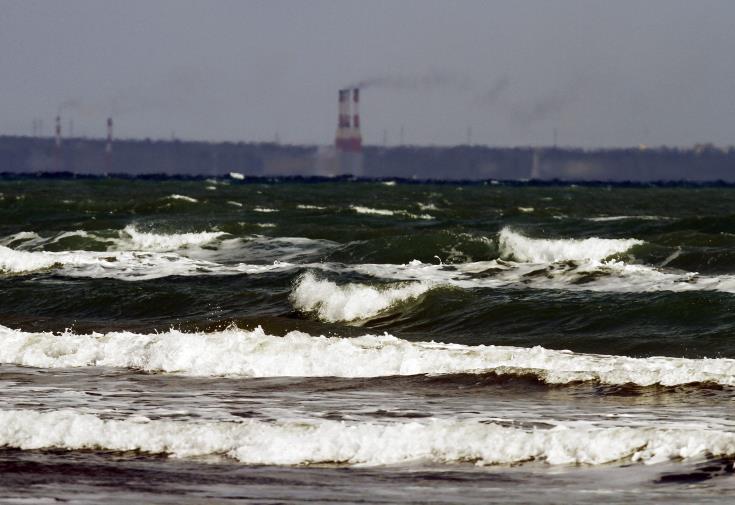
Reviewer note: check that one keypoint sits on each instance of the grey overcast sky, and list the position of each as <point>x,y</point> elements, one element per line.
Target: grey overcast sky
<point>602,73</point>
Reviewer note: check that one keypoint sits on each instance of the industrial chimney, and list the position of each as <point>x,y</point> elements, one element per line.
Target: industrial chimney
<point>108,146</point>
<point>356,137</point>
<point>348,140</point>
<point>341,140</point>
<point>57,142</point>
<point>58,132</point>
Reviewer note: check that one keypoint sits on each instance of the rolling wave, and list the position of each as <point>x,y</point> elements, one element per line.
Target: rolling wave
<point>133,239</point>
<point>299,442</point>
<point>350,302</point>
<point>534,250</point>
<point>236,352</point>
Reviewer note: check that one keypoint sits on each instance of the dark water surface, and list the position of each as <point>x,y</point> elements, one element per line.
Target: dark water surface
<point>363,342</point>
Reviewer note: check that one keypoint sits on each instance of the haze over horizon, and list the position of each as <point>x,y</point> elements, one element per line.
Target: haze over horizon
<point>603,74</point>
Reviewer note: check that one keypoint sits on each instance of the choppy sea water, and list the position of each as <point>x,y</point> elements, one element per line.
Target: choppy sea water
<point>286,342</point>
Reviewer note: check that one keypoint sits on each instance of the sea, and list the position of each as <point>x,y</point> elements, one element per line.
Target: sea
<point>283,341</point>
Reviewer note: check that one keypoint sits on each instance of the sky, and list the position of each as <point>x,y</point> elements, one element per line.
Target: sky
<point>500,73</point>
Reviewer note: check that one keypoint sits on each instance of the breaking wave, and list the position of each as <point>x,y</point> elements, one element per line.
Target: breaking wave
<point>332,302</point>
<point>133,239</point>
<point>534,250</point>
<point>298,442</point>
<point>183,198</point>
<point>236,352</point>
<point>123,265</point>
<point>386,212</point>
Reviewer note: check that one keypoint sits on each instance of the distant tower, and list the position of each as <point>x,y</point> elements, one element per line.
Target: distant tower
<point>348,139</point>
<point>356,137</point>
<point>108,146</point>
<point>343,121</point>
<point>57,142</point>
<point>58,132</point>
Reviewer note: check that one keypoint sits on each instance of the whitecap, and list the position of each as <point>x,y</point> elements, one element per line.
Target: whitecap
<point>386,212</point>
<point>237,352</point>
<point>182,198</point>
<point>349,302</point>
<point>299,442</point>
<point>536,250</point>
<point>133,239</point>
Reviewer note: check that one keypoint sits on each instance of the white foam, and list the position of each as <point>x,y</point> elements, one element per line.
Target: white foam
<point>237,176</point>
<point>26,240</point>
<point>123,265</point>
<point>624,218</point>
<point>369,210</point>
<point>133,239</point>
<point>298,442</point>
<point>23,236</point>
<point>609,276</point>
<point>349,302</point>
<point>386,212</point>
<point>182,197</point>
<point>309,207</point>
<point>13,261</point>
<point>526,210</point>
<point>264,209</point>
<point>534,250</point>
<point>236,204</point>
<point>236,352</point>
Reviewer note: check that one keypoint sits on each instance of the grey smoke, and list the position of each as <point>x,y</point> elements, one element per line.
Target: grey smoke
<point>433,80</point>
<point>495,93</point>
<point>551,106</point>
<point>182,88</point>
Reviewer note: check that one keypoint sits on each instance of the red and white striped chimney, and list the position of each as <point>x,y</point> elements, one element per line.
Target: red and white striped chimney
<point>341,140</point>
<point>356,134</point>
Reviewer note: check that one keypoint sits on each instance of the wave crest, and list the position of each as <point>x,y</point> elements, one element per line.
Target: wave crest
<point>350,302</point>
<point>132,238</point>
<point>236,352</point>
<point>534,250</point>
<point>295,442</point>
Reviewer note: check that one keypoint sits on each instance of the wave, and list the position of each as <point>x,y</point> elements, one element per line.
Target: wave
<point>515,246</point>
<point>603,219</point>
<point>182,198</point>
<point>349,302</point>
<point>133,239</point>
<point>299,442</point>
<point>573,265</point>
<point>29,240</point>
<point>386,212</point>
<point>609,276</point>
<point>123,265</point>
<point>237,352</point>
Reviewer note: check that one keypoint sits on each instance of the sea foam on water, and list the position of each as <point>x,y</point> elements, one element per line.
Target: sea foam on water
<point>237,352</point>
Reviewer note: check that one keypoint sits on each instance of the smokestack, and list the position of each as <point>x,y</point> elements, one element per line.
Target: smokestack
<point>108,147</point>
<point>341,140</point>
<point>58,132</point>
<point>57,154</point>
<point>356,140</point>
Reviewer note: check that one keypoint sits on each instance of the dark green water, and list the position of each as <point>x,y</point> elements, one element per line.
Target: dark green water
<point>206,304</point>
